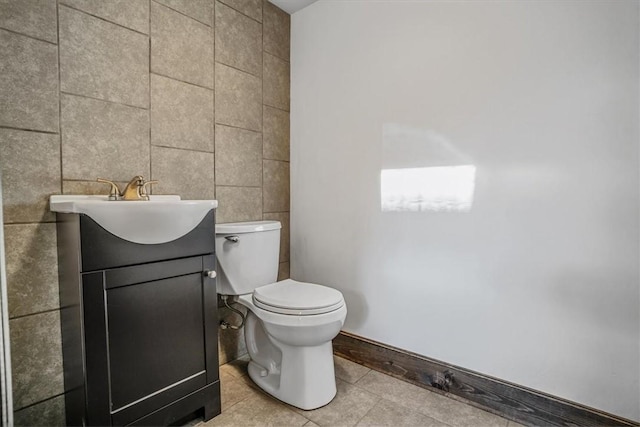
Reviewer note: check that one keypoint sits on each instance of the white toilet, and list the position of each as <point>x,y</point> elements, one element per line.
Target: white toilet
<point>290,324</point>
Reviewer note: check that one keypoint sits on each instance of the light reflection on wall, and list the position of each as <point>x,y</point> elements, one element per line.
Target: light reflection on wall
<point>434,188</point>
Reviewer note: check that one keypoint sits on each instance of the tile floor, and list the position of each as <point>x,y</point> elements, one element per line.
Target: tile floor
<point>364,398</point>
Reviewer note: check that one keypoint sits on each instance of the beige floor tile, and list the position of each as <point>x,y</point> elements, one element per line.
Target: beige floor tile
<point>387,413</point>
<point>439,407</point>
<point>257,410</point>
<point>311,424</point>
<point>196,422</point>
<point>514,424</point>
<point>349,371</point>
<point>233,390</point>
<point>459,414</point>
<point>236,368</point>
<point>350,404</point>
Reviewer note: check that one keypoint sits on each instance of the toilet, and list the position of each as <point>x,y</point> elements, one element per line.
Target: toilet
<point>289,324</point>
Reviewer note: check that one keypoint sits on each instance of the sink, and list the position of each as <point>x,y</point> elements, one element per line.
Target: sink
<point>160,219</point>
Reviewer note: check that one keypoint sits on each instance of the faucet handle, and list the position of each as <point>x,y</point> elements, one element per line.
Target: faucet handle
<point>143,188</point>
<point>114,193</point>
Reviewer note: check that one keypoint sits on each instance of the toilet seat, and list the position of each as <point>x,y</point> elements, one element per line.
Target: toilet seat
<point>297,298</point>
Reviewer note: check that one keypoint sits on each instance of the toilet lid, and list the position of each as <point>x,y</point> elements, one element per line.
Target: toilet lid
<point>298,298</point>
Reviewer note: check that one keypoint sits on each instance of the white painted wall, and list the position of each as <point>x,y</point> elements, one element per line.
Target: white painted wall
<point>538,283</point>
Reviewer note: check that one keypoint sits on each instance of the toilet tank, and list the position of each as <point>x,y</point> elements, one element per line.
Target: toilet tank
<point>247,254</point>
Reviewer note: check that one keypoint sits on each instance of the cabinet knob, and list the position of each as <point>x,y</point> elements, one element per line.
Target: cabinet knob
<point>210,274</point>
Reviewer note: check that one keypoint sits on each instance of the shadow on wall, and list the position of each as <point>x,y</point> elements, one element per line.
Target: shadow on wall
<point>231,344</point>
<point>357,308</point>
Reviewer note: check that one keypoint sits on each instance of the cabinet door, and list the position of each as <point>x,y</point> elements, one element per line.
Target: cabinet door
<point>155,335</point>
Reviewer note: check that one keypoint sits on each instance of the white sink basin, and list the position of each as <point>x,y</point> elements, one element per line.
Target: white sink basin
<point>158,220</point>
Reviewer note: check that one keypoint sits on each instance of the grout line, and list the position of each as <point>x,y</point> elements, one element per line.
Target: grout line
<point>276,108</point>
<point>278,212</point>
<point>262,109</point>
<point>103,100</point>
<point>213,109</point>
<point>28,36</point>
<point>276,160</point>
<point>59,95</point>
<point>22,316</point>
<point>101,18</point>
<point>29,130</point>
<point>87,180</point>
<point>173,78</point>
<point>360,379</point>
<point>29,223</point>
<point>181,13</point>
<point>242,13</point>
<point>39,402</point>
<point>277,56</point>
<point>238,69</point>
<point>180,148</point>
<point>240,186</point>
<point>150,105</point>
<point>371,409</point>
<point>237,127</point>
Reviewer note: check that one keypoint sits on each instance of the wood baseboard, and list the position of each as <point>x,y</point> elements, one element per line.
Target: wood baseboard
<point>518,403</point>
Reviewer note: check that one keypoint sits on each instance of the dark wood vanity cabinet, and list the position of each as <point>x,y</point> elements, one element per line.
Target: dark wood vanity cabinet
<point>139,325</point>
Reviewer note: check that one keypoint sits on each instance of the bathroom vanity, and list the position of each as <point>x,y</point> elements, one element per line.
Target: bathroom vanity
<point>139,312</point>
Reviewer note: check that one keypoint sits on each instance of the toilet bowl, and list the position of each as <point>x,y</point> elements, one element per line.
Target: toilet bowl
<point>289,324</point>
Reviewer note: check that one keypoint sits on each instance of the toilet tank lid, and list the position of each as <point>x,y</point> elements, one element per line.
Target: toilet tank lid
<point>247,227</point>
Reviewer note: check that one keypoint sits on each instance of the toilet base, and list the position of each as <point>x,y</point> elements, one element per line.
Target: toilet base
<point>306,378</point>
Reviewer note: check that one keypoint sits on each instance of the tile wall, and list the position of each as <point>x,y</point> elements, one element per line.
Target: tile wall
<point>194,93</point>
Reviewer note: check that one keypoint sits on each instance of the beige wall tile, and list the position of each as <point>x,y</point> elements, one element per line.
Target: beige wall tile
<point>103,60</point>
<point>103,140</point>
<point>32,268</point>
<point>276,186</point>
<point>277,29</point>
<point>35,18</point>
<point>276,82</point>
<point>36,358</point>
<point>238,204</point>
<point>189,174</point>
<point>251,8</point>
<point>275,131</point>
<point>30,165</point>
<point>238,40</point>
<point>181,48</point>
<point>283,217</point>
<point>238,157</point>
<point>132,14</point>
<point>28,83</point>
<point>238,98</point>
<point>48,413</point>
<point>283,271</point>
<point>181,114</point>
<point>201,10</point>
<point>231,344</point>
<point>90,187</point>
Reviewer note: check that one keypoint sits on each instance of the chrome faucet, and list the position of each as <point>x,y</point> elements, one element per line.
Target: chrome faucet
<point>136,189</point>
